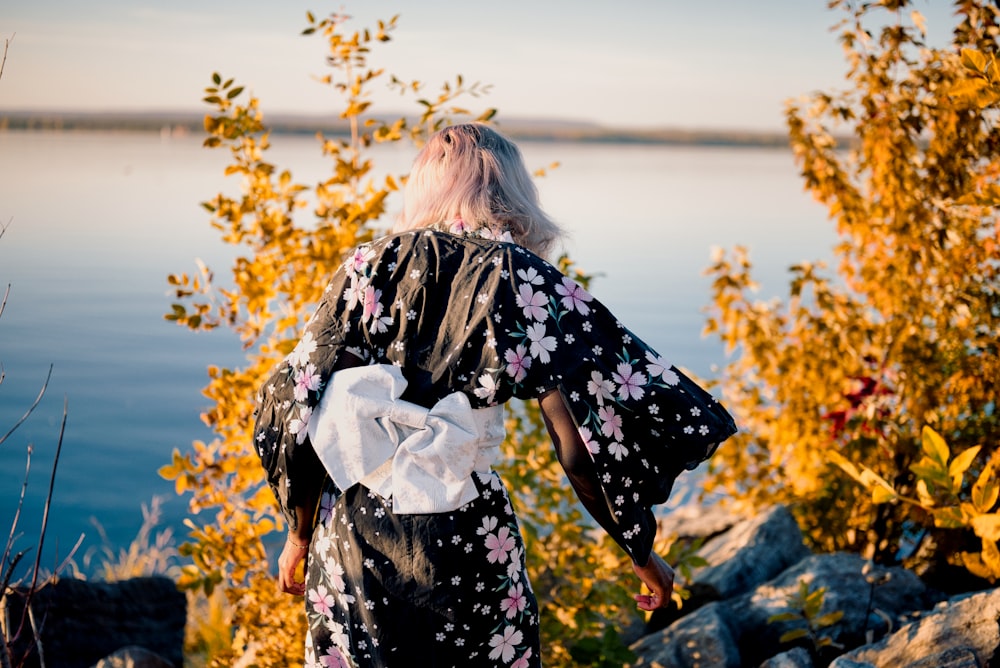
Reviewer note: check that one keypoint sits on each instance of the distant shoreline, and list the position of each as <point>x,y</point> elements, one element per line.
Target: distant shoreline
<point>183,123</point>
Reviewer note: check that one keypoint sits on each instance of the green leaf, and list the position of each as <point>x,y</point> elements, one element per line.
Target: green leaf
<point>216,79</point>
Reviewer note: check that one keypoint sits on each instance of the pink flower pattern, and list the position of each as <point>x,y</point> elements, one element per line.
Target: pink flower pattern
<point>502,323</point>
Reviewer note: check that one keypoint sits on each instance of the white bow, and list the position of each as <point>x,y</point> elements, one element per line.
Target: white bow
<point>424,459</point>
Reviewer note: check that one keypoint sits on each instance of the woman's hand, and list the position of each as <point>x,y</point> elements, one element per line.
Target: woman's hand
<point>658,576</point>
<point>292,553</point>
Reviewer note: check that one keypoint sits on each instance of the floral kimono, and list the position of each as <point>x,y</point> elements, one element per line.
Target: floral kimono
<point>486,318</point>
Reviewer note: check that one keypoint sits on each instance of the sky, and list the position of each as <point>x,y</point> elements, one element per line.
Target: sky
<point>718,64</point>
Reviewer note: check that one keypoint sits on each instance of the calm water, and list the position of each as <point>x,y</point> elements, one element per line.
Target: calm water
<point>96,221</point>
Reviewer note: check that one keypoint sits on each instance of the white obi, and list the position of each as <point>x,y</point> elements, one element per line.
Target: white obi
<point>423,459</point>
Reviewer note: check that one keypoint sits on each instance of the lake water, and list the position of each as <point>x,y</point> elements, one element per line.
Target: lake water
<point>96,221</point>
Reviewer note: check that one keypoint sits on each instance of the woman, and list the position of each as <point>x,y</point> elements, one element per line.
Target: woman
<point>379,430</point>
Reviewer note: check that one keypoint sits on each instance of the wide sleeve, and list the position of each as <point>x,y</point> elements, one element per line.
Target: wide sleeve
<point>332,338</point>
<point>643,421</point>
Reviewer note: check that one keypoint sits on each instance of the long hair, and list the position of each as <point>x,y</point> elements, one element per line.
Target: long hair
<point>473,174</point>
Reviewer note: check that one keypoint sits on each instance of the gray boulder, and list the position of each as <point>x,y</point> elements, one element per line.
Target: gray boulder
<point>868,596</point>
<point>960,632</point>
<point>700,639</point>
<point>751,553</point>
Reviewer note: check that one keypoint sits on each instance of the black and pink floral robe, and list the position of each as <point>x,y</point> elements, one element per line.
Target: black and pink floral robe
<point>486,317</point>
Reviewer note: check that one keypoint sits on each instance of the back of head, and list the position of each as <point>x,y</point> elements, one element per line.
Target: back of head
<point>473,174</point>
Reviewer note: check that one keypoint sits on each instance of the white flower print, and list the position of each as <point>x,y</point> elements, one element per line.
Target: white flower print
<point>299,426</point>
<point>574,296</point>
<point>489,524</point>
<point>361,257</point>
<point>629,382</point>
<point>354,292</point>
<point>499,544</point>
<point>530,275</point>
<point>518,363</point>
<point>541,345</point>
<point>326,508</point>
<point>336,573</point>
<point>695,411</point>
<point>532,302</point>
<point>618,450</point>
<point>505,644</point>
<point>611,422</point>
<point>588,440</point>
<point>487,389</point>
<point>303,349</point>
<point>660,367</point>
<point>514,567</point>
<point>599,387</point>
<point>306,380</point>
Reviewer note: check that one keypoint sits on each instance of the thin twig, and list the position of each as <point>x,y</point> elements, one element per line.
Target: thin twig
<point>17,516</point>
<point>24,417</point>
<point>6,45</point>
<point>48,499</point>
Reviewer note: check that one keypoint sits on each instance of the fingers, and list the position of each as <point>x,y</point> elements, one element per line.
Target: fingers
<point>658,576</point>
<point>288,563</point>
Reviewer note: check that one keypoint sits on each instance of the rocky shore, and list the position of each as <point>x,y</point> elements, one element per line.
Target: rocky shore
<point>747,609</point>
<point>743,602</point>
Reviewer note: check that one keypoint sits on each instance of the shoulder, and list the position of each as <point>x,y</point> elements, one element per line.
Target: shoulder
<point>433,244</point>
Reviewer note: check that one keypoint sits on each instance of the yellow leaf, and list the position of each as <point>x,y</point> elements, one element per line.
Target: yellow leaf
<point>883,495</point>
<point>985,490</point>
<point>934,446</point>
<point>973,60</point>
<point>794,634</point>
<point>926,500</point>
<point>843,463</point>
<point>975,565</point>
<point>987,527</point>
<point>991,557</point>
<point>960,465</point>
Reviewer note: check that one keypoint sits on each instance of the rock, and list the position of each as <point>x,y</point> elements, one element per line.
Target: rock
<point>890,617</point>
<point>849,584</point>
<point>751,552</point>
<point>133,657</point>
<point>794,658</point>
<point>702,639</point>
<point>962,632</point>
<point>83,622</point>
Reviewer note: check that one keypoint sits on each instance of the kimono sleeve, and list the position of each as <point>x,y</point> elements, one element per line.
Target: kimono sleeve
<point>286,400</point>
<point>643,421</point>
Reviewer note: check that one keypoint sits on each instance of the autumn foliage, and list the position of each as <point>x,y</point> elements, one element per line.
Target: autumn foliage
<point>868,395</point>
